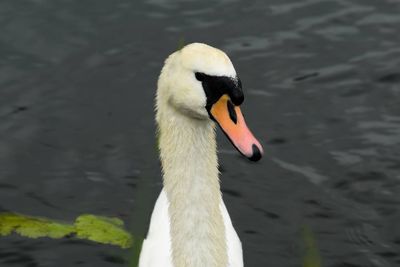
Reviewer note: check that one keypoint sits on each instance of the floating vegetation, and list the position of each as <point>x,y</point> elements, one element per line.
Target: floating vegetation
<point>181,43</point>
<point>98,229</point>
<point>135,253</point>
<point>311,253</point>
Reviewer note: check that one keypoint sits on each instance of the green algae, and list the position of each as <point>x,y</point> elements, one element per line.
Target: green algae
<point>135,250</point>
<point>311,256</point>
<point>98,229</point>
<point>103,230</point>
<point>32,227</point>
<point>181,43</point>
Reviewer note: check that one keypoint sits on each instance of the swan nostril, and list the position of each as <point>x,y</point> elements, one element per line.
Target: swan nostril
<point>256,153</point>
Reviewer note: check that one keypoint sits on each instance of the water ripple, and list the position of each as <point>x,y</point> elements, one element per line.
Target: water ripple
<point>375,19</point>
<point>307,171</point>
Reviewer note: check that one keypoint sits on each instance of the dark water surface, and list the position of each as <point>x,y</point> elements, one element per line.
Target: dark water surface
<point>322,85</point>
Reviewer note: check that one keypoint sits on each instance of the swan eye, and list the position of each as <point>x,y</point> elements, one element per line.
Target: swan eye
<point>200,76</point>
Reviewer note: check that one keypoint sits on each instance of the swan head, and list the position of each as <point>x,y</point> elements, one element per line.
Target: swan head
<point>200,83</point>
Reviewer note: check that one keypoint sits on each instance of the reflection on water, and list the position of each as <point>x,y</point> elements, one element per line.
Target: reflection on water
<point>321,78</point>
<point>307,171</point>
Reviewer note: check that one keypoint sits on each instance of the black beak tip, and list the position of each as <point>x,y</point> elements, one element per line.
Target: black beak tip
<point>256,154</point>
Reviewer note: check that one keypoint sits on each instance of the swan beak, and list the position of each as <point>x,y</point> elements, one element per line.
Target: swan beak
<point>230,119</point>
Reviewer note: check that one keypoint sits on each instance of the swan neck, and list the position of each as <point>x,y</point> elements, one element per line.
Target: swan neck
<point>190,175</point>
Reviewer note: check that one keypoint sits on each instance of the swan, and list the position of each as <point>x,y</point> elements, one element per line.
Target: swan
<point>190,227</point>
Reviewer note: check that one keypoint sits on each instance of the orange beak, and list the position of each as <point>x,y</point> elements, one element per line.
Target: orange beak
<point>230,119</point>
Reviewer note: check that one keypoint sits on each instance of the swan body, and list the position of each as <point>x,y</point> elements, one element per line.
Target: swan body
<point>190,227</point>
<point>156,250</point>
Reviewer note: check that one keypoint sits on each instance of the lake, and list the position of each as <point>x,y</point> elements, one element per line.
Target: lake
<point>322,93</point>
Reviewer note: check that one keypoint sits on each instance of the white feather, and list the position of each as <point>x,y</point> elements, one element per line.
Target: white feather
<point>190,226</point>
<point>156,249</point>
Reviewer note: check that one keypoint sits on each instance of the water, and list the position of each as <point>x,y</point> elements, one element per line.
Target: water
<point>322,85</point>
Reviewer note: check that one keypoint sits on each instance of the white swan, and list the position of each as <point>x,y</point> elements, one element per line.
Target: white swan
<point>190,226</point>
